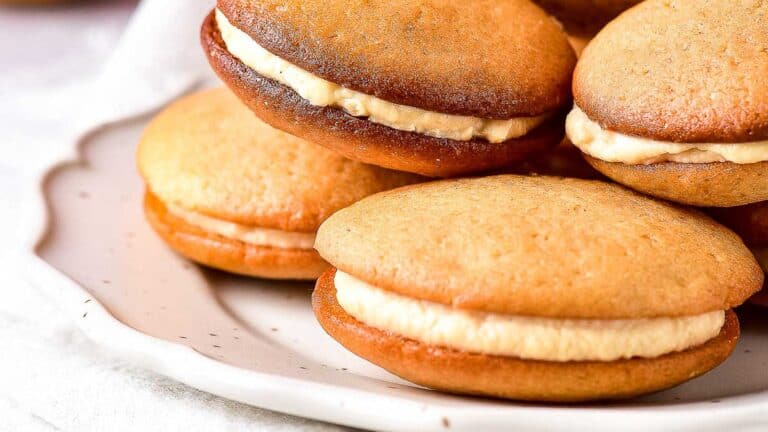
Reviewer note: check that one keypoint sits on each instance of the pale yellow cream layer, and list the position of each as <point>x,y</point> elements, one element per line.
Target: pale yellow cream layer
<point>762,257</point>
<point>523,337</point>
<point>321,92</point>
<point>244,233</point>
<point>612,146</point>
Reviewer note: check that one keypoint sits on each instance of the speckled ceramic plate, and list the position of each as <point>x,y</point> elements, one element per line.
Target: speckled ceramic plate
<point>256,341</point>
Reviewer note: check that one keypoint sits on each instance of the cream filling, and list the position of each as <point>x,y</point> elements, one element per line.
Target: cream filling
<point>520,336</point>
<point>612,146</point>
<point>762,257</point>
<point>244,233</point>
<point>321,92</point>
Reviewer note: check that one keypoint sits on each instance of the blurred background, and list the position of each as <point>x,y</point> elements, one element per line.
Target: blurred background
<point>47,47</point>
<point>50,45</point>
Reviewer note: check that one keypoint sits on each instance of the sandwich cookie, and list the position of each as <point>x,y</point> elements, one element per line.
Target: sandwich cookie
<point>438,88</point>
<point>532,288</point>
<point>751,223</point>
<point>671,99</point>
<point>230,192</point>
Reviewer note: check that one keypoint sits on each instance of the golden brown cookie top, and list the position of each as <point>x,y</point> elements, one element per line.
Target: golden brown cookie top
<point>483,58</point>
<point>208,153</point>
<point>680,70</point>
<point>541,246</point>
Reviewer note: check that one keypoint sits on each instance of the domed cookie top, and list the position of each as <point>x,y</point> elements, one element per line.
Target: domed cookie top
<point>541,246</point>
<point>483,58</point>
<point>680,70</point>
<point>208,153</point>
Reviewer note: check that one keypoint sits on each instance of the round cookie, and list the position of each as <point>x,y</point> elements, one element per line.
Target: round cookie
<point>430,95</point>
<point>670,100</point>
<point>507,286</point>
<point>231,192</point>
<point>464,372</point>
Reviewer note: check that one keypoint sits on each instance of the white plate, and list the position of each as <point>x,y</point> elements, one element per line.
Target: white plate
<point>257,342</point>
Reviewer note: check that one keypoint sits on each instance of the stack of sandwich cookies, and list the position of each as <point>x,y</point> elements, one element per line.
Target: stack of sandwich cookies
<point>508,286</point>
<point>751,223</point>
<point>671,99</point>
<point>230,192</point>
<point>438,88</point>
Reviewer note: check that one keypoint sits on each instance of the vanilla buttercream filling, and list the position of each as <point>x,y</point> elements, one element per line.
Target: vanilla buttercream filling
<point>612,146</point>
<point>532,338</point>
<point>320,92</point>
<point>245,233</point>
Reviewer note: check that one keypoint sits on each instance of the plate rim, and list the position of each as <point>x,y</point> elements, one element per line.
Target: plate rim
<point>319,401</point>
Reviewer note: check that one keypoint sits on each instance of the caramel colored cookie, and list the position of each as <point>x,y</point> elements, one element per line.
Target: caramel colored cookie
<point>209,154</point>
<point>670,99</point>
<point>234,256</point>
<point>532,288</point>
<point>449,56</point>
<point>688,71</point>
<point>719,184</point>
<point>362,140</point>
<point>456,371</point>
<point>541,246</point>
<point>412,112</point>
<point>229,191</point>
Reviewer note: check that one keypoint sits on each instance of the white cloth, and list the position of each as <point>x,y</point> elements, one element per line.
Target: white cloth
<point>52,89</point>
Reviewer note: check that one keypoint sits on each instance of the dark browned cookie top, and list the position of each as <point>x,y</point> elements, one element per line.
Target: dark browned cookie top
<point>482,58</point>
